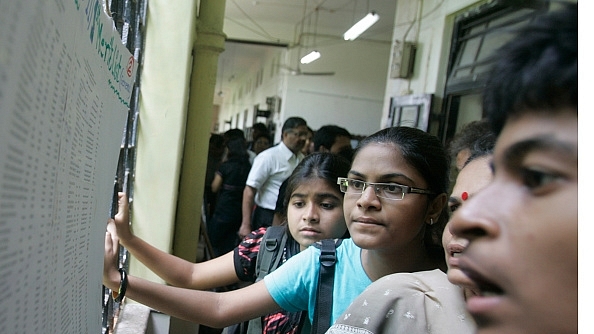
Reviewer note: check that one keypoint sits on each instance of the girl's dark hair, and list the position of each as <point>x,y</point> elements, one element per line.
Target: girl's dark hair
<point>427,155</point>
<point>236,150</point>
<point>318,165</point>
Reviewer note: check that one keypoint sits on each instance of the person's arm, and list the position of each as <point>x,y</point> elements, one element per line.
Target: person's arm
<point>217,182</point>
<point>279,211</point>
<point>176,271</point>
<point>203,307</point>
<point>247,206</point>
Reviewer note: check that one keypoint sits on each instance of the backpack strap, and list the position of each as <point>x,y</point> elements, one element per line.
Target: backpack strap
<point>323,310</point>
<point>268,259</point>
<point>270,252</point>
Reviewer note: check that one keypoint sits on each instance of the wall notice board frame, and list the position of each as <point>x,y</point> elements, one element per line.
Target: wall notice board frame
<point>410,110</point>
<point>65,86</point>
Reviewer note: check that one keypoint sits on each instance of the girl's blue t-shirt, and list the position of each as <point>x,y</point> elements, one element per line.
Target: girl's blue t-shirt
<point>293,285</point>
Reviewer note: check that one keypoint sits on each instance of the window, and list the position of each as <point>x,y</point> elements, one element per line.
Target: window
<point>477,33</point>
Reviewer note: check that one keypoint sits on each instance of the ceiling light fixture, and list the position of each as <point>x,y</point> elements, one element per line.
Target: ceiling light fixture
<point>313,55</point>
<point>308,58</point>
<point>359,27</point>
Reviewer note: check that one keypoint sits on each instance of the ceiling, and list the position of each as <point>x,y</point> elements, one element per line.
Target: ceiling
<point>279,21</point>
<point>261,24</point>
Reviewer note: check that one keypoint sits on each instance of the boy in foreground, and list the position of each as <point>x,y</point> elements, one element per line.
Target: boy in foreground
<point>523,227</point>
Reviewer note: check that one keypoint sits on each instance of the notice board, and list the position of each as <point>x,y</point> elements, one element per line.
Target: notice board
<point>65,85</point>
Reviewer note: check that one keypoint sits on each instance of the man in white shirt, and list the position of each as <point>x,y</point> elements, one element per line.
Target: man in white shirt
<point>269,169</point>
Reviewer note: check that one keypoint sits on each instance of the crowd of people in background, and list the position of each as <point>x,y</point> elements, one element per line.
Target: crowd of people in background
<point>497,253</point>
<point>298,140</point>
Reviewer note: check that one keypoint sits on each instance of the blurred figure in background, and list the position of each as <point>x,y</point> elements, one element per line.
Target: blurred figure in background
<point>327,139</point>
<point>270,168</point>
<point>308,147</point>
<point>216,148</point>
<point>460,146</point>
<point>333,139</point>
<point>228,184</point>
<point>258,129</point>
<point>261,143</point>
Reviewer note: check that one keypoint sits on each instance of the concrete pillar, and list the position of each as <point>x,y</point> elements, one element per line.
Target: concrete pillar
<point>209,43</point>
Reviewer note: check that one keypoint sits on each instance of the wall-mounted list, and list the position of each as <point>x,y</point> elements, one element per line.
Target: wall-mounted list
<point>65,85</point>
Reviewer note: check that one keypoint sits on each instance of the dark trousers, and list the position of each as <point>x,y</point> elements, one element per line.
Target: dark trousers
<point>262,217</point>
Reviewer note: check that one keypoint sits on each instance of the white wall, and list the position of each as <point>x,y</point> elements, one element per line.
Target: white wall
<point>358,96</point>
<point>247,92</point>
<point>352,98</point>
<point>429,25</point>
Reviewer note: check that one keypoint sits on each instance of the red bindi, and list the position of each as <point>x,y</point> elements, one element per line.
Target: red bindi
<point>464,196</point>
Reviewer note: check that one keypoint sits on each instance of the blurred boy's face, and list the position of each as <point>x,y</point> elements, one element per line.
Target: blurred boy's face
<point>523,229</point>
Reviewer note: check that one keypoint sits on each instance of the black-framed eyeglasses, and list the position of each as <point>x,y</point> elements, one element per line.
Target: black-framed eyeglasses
<point>392,191</point>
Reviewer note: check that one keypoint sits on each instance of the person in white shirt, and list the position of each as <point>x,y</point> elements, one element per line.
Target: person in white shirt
<point>269,169</point>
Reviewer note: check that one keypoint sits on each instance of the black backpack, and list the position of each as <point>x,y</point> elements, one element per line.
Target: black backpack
<point>269,258</point>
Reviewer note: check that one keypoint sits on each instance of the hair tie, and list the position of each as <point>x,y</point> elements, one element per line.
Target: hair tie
<point>464,196</point>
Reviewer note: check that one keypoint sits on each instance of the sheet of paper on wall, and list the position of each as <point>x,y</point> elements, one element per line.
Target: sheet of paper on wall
<point>65,86</point>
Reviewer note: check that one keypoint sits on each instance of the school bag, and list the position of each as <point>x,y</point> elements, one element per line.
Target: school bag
<point>269,258</point>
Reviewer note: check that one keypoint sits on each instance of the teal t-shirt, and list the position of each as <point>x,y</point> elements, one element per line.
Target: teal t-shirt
<point>293,285</point>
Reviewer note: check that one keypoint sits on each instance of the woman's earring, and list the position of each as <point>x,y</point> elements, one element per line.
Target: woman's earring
<point>431,221</point>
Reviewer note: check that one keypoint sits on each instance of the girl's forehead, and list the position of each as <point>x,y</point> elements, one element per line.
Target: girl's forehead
<point>385,161</point>
<point>377,147</point>
<point>379,153</point>
<point>315,184</point>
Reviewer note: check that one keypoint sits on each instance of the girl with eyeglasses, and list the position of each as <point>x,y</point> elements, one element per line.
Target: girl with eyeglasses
<point>395,219</point>
<point>417,300</point>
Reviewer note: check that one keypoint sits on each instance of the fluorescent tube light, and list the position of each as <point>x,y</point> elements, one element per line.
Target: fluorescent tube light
<point>361,26</point>
<point>310,57</point>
